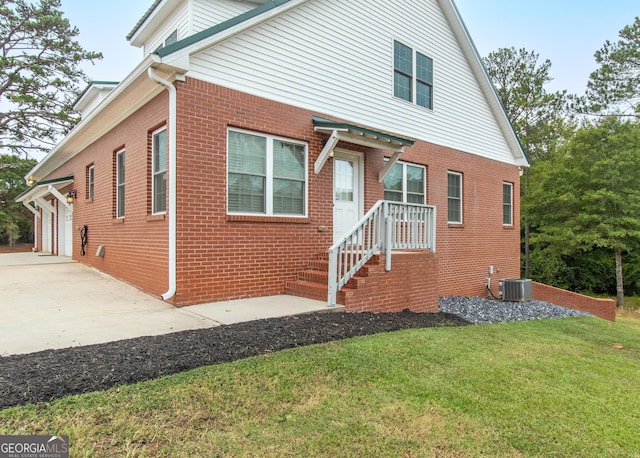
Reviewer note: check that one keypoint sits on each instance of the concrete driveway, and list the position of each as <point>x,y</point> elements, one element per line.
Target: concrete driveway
<point>53,302</point>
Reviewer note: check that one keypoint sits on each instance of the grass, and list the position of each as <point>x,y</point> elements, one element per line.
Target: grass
<point>541,388</point>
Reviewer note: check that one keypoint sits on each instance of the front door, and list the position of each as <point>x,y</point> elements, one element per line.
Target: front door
<point>347,196</point>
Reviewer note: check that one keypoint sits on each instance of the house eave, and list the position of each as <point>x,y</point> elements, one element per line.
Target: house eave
<point>126,98</point>
<point>92,90</point>
<point>152,18</point>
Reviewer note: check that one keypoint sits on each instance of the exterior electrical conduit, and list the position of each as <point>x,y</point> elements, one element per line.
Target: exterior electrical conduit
<point>172,180</point>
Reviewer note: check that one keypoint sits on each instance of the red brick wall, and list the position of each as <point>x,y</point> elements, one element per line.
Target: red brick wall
<point>603,308</point>
<point>412,283</point>
<point>224,256</point>
<point>467,250</point>
<point>136,246</point>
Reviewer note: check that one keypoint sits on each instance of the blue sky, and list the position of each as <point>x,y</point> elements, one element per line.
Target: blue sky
<point>567,32</point>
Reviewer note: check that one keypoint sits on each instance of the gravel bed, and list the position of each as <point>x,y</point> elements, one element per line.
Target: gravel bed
<point>484,311</point>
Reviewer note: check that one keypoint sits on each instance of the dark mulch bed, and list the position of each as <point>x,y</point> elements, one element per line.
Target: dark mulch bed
<point>51,374</point>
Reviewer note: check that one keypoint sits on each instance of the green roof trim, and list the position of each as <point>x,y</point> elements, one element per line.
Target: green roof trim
<point>54,180</point>
<point>211,31</point>
<point>42,183</point>
<point>335,125</point>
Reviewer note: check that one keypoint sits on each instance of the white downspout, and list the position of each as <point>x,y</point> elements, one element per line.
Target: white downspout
<point>172,180</point>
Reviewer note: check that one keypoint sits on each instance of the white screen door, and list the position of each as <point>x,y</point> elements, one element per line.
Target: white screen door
<point>347,203</point>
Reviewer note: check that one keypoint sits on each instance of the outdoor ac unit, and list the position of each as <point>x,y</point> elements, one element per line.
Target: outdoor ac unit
<point>515,290</point>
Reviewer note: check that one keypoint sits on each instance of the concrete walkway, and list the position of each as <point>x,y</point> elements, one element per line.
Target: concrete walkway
<point>51,302</point>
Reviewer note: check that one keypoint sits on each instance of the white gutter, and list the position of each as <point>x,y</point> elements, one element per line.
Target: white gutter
<point>172,180</point>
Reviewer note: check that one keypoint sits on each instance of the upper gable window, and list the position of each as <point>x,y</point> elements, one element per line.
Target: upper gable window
<point>171,39</point>
<point>412,75</point>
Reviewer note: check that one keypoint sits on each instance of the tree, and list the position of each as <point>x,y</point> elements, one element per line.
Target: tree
<point>39,75</point>
<point>588,197</point>
<point>538,116</point>
<point>15,220</point>
<point>614,88</point>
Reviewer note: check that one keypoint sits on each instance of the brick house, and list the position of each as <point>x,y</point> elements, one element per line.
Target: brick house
<point>254,135</point>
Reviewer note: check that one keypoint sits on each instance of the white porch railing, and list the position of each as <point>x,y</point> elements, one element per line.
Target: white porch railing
<point>387,226</point>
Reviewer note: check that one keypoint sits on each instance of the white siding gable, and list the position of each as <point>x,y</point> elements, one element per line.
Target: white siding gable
<point>178,20</point>
<point>336,57</point>
<point>207,13</point>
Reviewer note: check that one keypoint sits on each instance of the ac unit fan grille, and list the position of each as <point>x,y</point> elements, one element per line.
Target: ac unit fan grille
<point>516,290</point>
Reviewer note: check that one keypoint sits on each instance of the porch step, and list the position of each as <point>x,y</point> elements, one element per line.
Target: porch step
<point>313,281</point>
<point>310,290</point>
<point>314,276</point>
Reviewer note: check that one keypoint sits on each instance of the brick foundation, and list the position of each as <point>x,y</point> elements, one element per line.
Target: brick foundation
<point>603,308</point>
<point>411,284</point>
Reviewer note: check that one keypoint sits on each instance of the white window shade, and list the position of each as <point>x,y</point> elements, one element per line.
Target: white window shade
<point>266,175</point>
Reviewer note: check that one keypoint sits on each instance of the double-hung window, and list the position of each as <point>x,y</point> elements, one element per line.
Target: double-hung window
<point>91,177</point>
<point>406,183</point>
<point>120,183</point>
<point>159,169</point>
<point>266,175</point>
<point>454,187</point>
<point>412,75</point>
<point>507,204</point>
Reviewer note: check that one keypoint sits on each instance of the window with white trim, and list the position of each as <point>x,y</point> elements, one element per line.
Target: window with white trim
<point>412,75</point>
<point>120,183</point>
<point>454,194</point>
<point>507,204</point>
<point>406,183</point>
<point>91,176</point>
<point>159,171</point>
<point>266,174</point>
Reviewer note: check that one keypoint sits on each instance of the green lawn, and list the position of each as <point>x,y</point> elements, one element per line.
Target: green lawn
<point>543,388</point>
